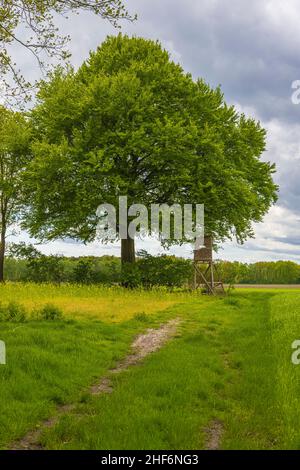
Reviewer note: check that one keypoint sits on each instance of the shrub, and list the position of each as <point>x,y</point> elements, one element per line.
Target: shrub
<point>131,275</point>
<point>13,312</point>
<point>39,267</point>
<point>50,312</point>
<point>84,271</point>
<point>164,270</point>
<point>46,269</point>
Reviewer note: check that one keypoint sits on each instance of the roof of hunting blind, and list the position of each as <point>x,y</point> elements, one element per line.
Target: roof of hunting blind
<point>205,253</point>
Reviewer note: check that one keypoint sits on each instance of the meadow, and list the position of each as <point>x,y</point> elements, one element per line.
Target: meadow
<point>225,380</point>
<point>87,302</point>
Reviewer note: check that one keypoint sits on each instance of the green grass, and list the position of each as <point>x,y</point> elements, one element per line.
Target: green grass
<point>51,363</point>
<point>110,304</point>
<point>230,361</point>
<point>285,328</point>
<point>224,366</point>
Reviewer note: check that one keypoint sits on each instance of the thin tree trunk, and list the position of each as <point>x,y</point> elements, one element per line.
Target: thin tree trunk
<point>127,250</point>
<point>2,254</point>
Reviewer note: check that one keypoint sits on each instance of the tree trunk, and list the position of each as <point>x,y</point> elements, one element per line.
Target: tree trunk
<point>127,251</point>
<point>2,254</point>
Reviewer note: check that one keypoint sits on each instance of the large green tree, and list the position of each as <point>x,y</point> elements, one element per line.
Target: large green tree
<point>131,122</point>
<point>14,157</point>
<point>32,25</point>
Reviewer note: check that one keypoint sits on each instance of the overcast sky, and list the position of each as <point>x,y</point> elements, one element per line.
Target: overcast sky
<point>252,50</point>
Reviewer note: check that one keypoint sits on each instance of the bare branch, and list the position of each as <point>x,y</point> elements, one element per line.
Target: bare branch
<point>37,18</point>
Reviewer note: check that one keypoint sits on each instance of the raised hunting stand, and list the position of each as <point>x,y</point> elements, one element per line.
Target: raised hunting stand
<point>203,258</point>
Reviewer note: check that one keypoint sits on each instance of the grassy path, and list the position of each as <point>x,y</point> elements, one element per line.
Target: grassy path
<point>224,381</point>
<point>214,371</point>
<point>143,345</point>
<point>51,364</point>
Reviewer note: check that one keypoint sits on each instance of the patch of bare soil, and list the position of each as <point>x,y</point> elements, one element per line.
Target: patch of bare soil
<point>104,386</point>
<point>143,345</point>
<point>213,435</point>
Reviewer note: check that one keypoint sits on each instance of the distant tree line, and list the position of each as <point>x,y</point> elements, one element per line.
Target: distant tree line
<point>263,272</point>
<point>26,263</point>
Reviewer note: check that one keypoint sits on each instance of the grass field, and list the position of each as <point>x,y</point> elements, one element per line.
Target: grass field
<point>228,368</point>
<point>110,304</point>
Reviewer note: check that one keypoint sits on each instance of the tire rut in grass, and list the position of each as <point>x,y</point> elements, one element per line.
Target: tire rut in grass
<point>213,435</point>
<point>144,345</point>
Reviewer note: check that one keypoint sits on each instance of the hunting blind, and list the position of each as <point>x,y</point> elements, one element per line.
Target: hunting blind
<point>205,270</point>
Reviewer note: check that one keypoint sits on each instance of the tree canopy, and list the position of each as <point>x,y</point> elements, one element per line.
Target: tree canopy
<point>132,122</point>
<point>14,157</point>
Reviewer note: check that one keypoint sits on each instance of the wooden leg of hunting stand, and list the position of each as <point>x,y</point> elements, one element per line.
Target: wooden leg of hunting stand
<point>220,283</point>
<point>204,280</point>
<point>206,272</point>
<point>212,280</point>
<point>195,276</point>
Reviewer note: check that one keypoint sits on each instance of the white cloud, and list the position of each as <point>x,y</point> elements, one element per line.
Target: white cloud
<point>275,239</point>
